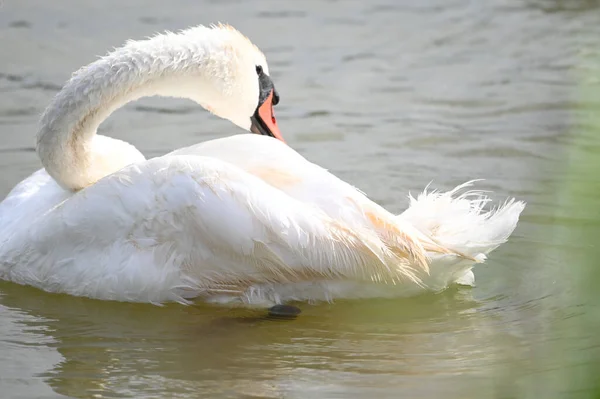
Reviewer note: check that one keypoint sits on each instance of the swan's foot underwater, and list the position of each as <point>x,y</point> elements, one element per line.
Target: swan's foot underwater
<point>283,312</point>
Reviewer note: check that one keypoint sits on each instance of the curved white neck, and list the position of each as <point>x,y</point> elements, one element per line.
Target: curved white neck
<point>67,144</point>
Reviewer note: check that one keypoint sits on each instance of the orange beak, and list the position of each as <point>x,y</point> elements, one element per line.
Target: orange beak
<point>263,120</point>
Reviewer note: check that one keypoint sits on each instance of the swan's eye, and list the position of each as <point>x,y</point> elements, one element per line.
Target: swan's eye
<point>259,70</point>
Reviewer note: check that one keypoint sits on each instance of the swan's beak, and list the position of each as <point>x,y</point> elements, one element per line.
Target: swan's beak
<point>263,120</point>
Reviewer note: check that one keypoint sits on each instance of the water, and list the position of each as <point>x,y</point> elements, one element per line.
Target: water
<point>388,95</point>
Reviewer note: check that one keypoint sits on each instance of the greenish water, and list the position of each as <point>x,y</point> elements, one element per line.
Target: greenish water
<point>389,96</point>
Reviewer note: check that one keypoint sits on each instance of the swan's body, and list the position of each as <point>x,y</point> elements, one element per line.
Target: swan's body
<point>241,218</point>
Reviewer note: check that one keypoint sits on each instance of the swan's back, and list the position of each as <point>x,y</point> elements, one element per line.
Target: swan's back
<point>178,227</point>
<point>29,200</point>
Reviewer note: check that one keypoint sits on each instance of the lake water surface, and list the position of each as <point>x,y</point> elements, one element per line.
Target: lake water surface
<point>389,95</point>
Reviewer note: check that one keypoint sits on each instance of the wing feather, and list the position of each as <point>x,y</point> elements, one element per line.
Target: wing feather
<point>174,227</point>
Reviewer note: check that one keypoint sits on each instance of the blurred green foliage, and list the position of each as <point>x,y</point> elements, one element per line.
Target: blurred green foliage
<point>579,199</point>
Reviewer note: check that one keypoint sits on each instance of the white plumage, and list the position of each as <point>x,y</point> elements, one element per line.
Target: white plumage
<point>244,218</point>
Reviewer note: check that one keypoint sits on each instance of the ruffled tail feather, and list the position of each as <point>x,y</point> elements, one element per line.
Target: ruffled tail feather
<point>458,221</point>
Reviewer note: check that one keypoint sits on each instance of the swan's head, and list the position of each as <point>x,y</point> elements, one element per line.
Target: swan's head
<point>236,80</point>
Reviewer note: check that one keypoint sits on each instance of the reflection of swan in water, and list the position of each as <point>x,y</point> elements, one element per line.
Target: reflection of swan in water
<point>244,217</point>
<point>113,348</point>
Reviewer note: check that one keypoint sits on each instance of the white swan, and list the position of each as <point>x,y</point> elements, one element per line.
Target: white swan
<point>244,218</point>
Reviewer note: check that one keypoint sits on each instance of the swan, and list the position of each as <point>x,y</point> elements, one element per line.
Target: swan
<point>242,219</point>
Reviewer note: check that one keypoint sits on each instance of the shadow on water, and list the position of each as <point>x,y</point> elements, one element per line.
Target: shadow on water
<point>111,348</point>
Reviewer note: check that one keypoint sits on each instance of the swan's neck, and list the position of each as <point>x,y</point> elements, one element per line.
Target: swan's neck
<point>67,143</point>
